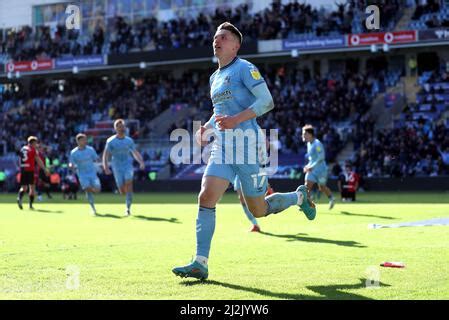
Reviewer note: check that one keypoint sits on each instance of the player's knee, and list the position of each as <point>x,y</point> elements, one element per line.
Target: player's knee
<point>203,196</point>
<point>206,198</point>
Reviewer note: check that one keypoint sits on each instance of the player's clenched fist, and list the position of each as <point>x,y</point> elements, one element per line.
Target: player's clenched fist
<point>307,169</point>
<point>226,122</point>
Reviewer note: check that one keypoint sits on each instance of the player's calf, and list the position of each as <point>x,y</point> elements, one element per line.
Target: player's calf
<point>258,208</point>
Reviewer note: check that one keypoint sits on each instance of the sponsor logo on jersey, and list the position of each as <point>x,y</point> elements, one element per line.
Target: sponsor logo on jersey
<point>256,74</point>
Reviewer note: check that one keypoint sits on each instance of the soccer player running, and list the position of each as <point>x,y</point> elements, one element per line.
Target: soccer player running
<point>239,95</point>
<point>83,158</point>
<point>28,158</point>
<point>122,149</point>
<point>316,168</point>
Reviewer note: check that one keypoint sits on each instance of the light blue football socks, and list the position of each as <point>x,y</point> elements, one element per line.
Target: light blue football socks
<point>129,200</point>
<point>278,202</point>
<point>90,199</point>
<point>249,215</point>
<point>205,227</point>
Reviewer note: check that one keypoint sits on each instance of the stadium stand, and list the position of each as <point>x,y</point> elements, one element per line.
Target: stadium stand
<point>293,19</point>
<point>429,14</point>
<point>418,144</point>
<point>336,102</point>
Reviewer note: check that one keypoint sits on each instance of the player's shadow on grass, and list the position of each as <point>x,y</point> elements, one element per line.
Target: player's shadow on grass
<point>304,238</point>
<point>47,211</point>
<point>172,220</point>
<point>346,213</point>
<point>107,215</point>
<point>325,292</point>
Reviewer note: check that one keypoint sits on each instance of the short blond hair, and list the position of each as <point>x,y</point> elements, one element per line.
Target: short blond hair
<point>116,122</point>
<point>309,129</point>
<point>32,139</point>
<point>80,136</point>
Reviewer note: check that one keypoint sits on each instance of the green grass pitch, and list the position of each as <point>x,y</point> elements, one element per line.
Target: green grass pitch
<point>59,251</point>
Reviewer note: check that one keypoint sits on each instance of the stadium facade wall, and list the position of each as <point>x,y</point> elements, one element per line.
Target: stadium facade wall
<point>284,185</point>
<point>15,13</point>
<point>250,47</point>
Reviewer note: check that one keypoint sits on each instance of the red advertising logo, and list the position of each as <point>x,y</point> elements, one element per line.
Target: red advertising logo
<point>28,66</point>
<point>366,39</point>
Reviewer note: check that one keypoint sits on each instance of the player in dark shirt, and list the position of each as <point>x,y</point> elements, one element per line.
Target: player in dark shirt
<point>28,158</point>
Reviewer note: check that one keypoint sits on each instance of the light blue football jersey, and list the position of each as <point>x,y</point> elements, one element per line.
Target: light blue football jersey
<point>316,155</point>
<point>231,94</point>
<point>84,160</point>
<point>120,150</point>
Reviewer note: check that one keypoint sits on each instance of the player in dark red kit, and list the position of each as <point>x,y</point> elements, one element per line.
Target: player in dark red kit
<point>348,184</point>
<point>28,158</point>
<point>41,180</point>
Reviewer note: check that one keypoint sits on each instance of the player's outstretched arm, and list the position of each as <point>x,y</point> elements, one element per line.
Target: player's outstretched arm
<point>136,154</point>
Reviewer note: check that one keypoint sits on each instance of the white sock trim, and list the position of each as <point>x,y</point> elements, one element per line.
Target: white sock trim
<point>300,198</point>
<point>202,260</point>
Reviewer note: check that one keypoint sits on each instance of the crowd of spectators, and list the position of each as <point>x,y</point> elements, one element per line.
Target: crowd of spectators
<point>430,14</point>
<point>121,36</point>
<point>57,112</point>
<point>414,147</point>
<point>326,102</point>
<point>425,7</point>
<point>418,150</point>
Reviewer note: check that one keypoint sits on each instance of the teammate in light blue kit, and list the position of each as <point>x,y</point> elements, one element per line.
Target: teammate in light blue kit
<point>238,188</point>
<point>83,158</point>
<point>316,169</point>
<point>122,149</point>
<point>239,95</point>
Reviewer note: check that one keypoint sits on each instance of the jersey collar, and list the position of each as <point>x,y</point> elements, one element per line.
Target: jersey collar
<point>229,64</point>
